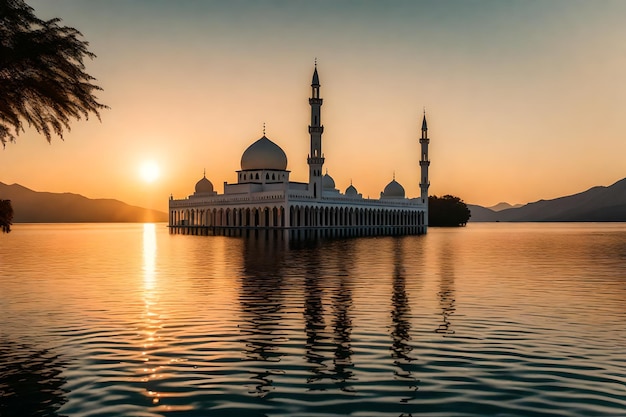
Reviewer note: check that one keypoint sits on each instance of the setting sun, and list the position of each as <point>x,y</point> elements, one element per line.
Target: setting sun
<point>149,171</point>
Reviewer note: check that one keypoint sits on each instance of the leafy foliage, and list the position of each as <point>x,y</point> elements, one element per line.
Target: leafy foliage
<point>6,215</point>
<point>447,211</point>
<point>42,74</point>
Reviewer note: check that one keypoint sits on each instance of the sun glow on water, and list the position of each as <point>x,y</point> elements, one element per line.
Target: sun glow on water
<point>149,255</point>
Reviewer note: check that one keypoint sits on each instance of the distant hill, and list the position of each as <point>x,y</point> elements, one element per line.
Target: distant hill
<point>598,204</point>
<point>504,206</point>
<point>481,214</point>
<point>41,207</point>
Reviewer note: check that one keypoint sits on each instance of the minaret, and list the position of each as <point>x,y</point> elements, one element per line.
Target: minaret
<point>424,162</point>
<point>315,158</point>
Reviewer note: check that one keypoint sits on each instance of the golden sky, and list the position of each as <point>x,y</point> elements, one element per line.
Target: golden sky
<point>525,99</point>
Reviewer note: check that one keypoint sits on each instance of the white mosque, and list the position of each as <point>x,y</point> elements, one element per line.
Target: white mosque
<point>265,198</point>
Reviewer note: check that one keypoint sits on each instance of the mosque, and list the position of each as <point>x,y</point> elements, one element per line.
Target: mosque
<point>265,198</point>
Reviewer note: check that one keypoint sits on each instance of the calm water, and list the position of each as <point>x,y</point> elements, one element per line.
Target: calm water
<point>491,319</point>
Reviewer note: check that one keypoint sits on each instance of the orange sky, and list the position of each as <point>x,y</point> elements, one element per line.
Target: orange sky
<point>525,99</point>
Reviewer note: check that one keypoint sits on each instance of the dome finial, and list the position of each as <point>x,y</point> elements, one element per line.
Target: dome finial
<point>394,175</point>
<point>315,62</point>
<point>204,173</point>
<point>263,128</point>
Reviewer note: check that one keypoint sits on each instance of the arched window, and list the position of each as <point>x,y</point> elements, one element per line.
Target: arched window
<point>256,176</point>
<point>267,177</point>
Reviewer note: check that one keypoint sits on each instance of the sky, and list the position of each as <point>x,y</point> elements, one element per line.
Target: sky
<point>525,99</point>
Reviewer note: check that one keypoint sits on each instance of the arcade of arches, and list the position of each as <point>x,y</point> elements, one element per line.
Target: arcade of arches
<point>297,216</point>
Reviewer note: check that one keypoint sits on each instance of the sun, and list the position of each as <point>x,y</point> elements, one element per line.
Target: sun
<point>149,171</point>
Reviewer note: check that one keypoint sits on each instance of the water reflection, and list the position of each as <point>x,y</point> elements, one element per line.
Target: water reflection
<point>315,326</point>
<point>342,320</point>
<point>152,321</point>
<point>401,349</point>
<point>446,292</point>
<point>261,329</point>
<point>31,381</point>
<point>261,301</point>
<point>328,349</point>
<point>401,312</point>
<point>149,256</point>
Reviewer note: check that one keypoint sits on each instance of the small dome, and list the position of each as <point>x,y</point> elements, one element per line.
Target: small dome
<point>393,190</point>
<point>204,186</point>
<point>264,154</point>
<point>351,191</point>
<point>328,183</point>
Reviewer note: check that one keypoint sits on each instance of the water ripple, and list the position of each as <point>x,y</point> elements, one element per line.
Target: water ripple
<point>130,320</point>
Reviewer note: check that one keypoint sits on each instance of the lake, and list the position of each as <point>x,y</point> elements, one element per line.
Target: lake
<point>487,320</point>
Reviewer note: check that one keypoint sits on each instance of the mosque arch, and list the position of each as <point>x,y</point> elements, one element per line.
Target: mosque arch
<point>266,216</point>
<point>254,217</point>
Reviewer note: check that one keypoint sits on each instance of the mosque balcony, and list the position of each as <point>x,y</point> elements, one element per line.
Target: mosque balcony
<point>316,129</point>
<point>424,163</point>
<point>405,203</point>
<point>228,200</point>
<point>316,160</point>
<point>315,100</point>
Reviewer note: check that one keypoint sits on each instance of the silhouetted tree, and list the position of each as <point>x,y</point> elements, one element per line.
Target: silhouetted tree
<point>447,211</point>
<point>6,216</point>
<point>42,75</point>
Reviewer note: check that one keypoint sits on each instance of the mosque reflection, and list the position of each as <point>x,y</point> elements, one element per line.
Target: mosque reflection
<point>446,292</point>
<point>401,347</point>
<point>324,271</point>
<point>342,321</point>
<point>261,302</point>
<point>329,352</point>
<point>401,313</point>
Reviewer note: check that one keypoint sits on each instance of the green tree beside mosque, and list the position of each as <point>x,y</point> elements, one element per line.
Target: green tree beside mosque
<point>447,211</point>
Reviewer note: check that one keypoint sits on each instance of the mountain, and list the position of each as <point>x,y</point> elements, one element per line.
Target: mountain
<point>481,214</point>
<point>41,207</point>
<point>597,204</point>
<point>504,206</point>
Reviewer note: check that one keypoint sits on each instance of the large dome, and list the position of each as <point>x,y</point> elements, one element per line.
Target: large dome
<point>393,190</point>
<point>264,154</point>
<point>328,183</point>
<point>204,186</point>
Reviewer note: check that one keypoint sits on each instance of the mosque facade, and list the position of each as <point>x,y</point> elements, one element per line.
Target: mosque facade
<point>264,197</point>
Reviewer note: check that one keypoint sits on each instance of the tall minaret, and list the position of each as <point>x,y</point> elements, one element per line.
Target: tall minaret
<point>424,162</point>
<point>315,158</point>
